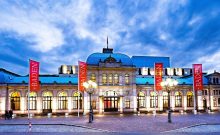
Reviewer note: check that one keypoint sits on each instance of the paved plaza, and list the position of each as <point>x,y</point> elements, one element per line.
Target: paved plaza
<point>116,124</point>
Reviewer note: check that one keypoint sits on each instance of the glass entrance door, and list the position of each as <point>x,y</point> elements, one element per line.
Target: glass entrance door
<point>111,104</point>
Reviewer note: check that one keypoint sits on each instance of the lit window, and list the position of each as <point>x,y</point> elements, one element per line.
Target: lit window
<point>153,99</point>
<point>33,101</point>
<point>165,100</point>
<point>62,101</point>
<point>116,79</point>
<point>189,99</point>
<point>15,101</point>
<point>77,102</point>
<point>178,99</point>
<point>126,78</point>
<point>141,100</point>
<point>110,79</point>
<point>47,100</point>
<point>104,78</point>
<point>93,77</point>
<point>127,103</point>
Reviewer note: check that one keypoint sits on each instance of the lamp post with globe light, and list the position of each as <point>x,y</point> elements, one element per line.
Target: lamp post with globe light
<point>90,88</point>
<point>169,84</point>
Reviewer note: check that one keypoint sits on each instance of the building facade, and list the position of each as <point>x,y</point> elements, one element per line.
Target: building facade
<point>125,85</point>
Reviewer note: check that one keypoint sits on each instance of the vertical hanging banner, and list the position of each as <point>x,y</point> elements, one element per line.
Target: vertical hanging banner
<point>34,75</point>
<point>197,77</point>
<point>82,74</point>
<point>158,73</point>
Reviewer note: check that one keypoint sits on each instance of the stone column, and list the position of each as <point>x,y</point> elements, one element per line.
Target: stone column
<point>69,102</point>
<point>39,104</point>
<point>54,104</point>
<point>86,103</point>
<point>121,104</point>
<point>101,108</point>
<point>185,102</point>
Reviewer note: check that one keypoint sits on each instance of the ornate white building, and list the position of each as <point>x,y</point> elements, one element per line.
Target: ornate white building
<point>124,84</point>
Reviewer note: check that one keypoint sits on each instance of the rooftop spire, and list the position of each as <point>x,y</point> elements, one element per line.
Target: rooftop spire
<point>107,42</point>
<point>107,50</point>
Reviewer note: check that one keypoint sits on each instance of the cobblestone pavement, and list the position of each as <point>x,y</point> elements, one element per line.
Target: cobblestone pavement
<point>125,124</point>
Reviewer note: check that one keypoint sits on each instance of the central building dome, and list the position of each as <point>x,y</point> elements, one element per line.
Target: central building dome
<point>109,56</point>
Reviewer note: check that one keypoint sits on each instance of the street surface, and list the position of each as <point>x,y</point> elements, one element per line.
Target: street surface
<point>115,124</point>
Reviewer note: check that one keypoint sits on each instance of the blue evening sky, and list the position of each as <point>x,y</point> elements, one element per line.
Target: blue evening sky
<point>56,32</point>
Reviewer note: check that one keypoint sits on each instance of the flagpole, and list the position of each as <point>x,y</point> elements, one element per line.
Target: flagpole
<point>194,93</point>
<point>78,90</point>
<point>29,92</point>
<point>155,91</point>
<point>29,121</point>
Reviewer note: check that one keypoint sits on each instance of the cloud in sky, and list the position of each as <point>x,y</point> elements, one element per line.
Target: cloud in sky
<point>62,32</point>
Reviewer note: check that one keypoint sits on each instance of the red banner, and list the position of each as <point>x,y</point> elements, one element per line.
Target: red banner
<point>197,77</point>
<point>82,75</point>
<point>34,76</point>
<point>158,73</point>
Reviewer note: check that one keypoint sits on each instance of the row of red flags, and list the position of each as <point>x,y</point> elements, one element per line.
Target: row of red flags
<point>34,75</point>
<point>197,76</point>
<point>82,76</point>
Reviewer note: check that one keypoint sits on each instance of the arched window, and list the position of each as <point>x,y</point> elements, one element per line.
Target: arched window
<point>217,81</point>
<point>178,99</point>
<point>62,101</point>
<point>110,79</point>
<point>15,101</point>
<point>93,77</point>
<point>165,100</point>
<point>47,100</point>
<point>104,78</point>
<point>214,80</point>
<point>153,99</point>
<point>77,102</point>
<point>141,100</point>
<point>33,100</point>
<point>126,78</point>
<point>189,99</point>
<point>116,79</point>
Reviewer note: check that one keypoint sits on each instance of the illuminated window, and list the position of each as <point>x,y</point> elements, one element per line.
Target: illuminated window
<point>15,101</point>
<point>77,102</point>
<point>141,100</point>
<point>126,78</point>
<point>47,100</point>
<point>62,101</point>
<point>165,100</point>
<point>93,77</point>
<point>189,99</point>
<point>33,101</point>
<point>178,99</point>
<point>127,103</point>
<point>110,79</point>
<point>153,99</point>
<point>104,78</point>
<point>116,79</point>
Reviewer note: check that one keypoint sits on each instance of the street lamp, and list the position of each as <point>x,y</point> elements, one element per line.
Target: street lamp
<point>169,84</point>
<point>90,88</point>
